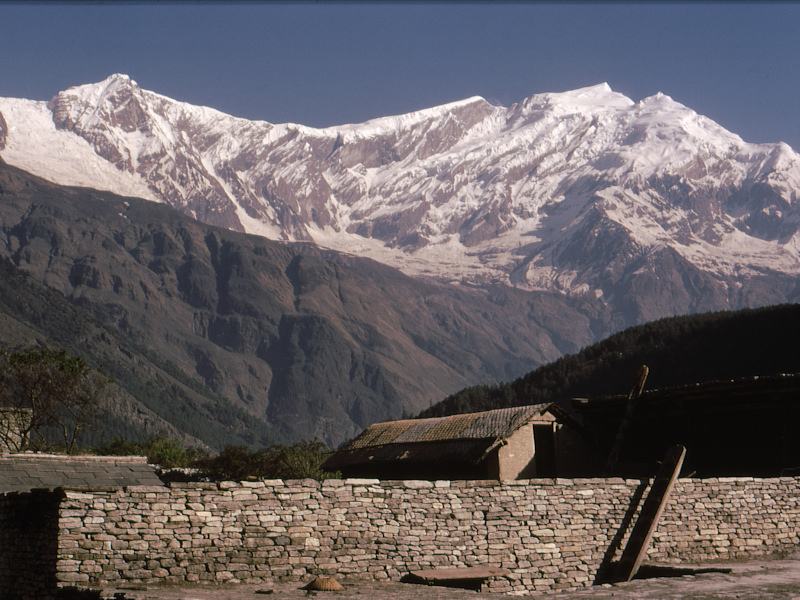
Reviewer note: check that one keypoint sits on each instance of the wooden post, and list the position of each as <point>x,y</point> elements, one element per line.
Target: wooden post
<point>636,391</point>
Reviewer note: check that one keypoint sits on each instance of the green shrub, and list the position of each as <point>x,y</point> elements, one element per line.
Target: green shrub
<point>120,447</point>
<point>160,450</point>
<point>301,460</point>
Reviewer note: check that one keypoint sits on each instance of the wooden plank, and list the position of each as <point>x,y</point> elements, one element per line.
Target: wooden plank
<point>657,498</point>
<point>634,394</point>
<point>433,576</point>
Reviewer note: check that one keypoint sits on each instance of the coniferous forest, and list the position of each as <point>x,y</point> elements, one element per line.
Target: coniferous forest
<point>678,350</point>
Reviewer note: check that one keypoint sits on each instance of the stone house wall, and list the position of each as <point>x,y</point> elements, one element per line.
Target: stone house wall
<point>514,458</point>
<point>550,533</point>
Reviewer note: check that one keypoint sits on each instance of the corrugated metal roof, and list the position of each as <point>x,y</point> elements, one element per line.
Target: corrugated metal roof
<point>457,439</point>
<point>493,424</point>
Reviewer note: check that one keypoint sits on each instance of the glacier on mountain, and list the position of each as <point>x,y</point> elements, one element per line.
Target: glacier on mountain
<point>581,192</point>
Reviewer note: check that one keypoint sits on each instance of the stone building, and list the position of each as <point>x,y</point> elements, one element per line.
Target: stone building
<point>33,488</point>
<point>505,444</point>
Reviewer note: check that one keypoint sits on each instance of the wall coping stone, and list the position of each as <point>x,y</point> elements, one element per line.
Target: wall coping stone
<point>200,485</point>
<point>147,489</point>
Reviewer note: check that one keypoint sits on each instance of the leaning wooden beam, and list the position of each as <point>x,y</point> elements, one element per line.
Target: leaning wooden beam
<point>657,498</point>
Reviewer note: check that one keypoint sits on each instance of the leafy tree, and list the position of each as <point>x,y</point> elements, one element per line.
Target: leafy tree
<point>169,453</point>
<point>48,391</point>
<point>301,460</point>
<point>119,446</point>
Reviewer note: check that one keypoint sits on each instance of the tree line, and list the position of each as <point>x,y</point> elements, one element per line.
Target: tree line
<point>63,397</point>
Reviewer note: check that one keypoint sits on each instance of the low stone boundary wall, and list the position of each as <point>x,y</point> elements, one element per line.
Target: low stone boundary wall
<point>710,519</point>
<point>551,534</point>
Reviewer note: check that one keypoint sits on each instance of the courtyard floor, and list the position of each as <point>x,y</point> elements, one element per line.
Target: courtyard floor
<point>766,579</point>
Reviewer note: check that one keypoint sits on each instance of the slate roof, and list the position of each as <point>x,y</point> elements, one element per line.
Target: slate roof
<point>464,439</point>
<point>22,472</point>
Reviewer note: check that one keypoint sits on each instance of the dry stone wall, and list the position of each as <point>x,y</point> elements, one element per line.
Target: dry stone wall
<point>551,534</point>
<point>729,518</point>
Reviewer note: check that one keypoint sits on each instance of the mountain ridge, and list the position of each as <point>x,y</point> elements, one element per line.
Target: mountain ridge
<point>465,192</point>
<point>521,234</point>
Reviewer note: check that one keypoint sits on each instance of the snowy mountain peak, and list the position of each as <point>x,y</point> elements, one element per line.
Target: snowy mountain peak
<point>92,96</point>
<point>116,99</point>
<point>92,92</point>
<point>596,96</point>
<point>589,99</point>
<point>662,105</point>
<point>573,191</point>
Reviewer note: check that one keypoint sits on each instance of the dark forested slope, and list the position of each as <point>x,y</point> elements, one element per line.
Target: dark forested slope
<point>678,351</point>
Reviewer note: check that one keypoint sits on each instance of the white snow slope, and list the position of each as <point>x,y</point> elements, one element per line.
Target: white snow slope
<point>582,192</point>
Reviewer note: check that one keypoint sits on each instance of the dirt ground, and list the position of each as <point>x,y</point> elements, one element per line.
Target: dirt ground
<point>767,579</point>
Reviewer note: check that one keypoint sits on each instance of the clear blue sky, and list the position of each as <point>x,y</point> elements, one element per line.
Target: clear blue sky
<point>333,63</point>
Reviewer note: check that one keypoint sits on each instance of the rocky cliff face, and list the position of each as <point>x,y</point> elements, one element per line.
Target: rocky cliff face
<point>315,342</point>
<point>583,192</point>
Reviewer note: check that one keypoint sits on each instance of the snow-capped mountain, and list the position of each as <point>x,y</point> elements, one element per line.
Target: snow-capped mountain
<point>647,205</point>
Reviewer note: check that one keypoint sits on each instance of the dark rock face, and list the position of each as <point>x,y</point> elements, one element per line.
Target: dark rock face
<point>315,342</point>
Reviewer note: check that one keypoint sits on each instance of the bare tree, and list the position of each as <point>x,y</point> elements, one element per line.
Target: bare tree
<point>44,390</point>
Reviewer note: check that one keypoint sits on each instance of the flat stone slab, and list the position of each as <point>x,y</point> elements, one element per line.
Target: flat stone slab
<point>444,576</point>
